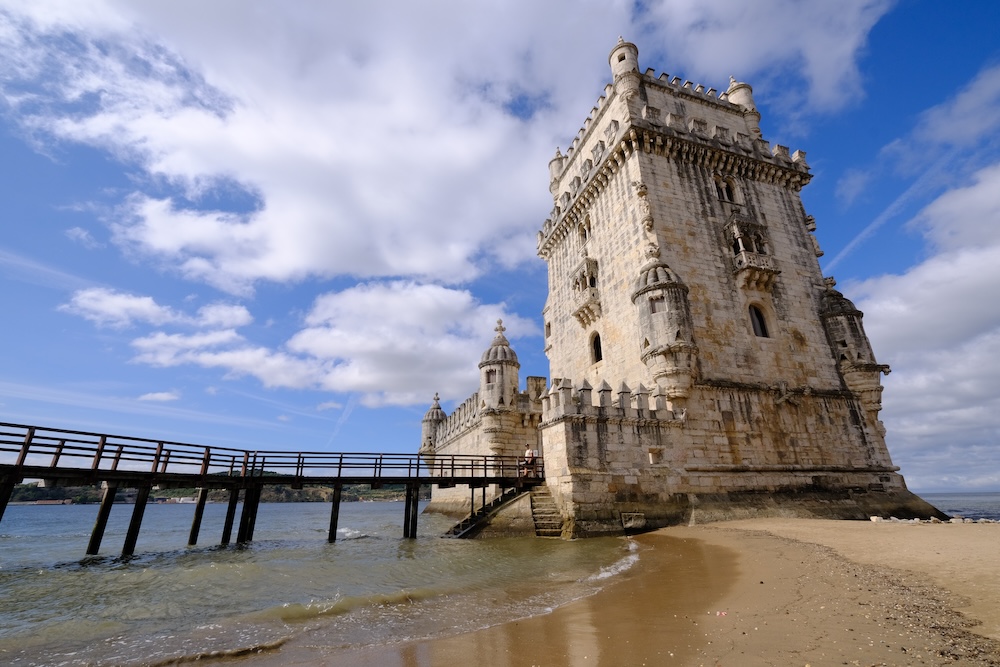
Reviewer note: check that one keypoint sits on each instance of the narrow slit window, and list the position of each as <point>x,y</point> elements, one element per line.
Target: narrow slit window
<point>491,376</point>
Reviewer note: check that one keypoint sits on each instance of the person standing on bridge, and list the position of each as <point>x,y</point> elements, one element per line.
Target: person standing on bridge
<point>529,461</point>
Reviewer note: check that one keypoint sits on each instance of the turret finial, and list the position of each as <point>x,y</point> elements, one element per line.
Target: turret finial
<point>500,328</point>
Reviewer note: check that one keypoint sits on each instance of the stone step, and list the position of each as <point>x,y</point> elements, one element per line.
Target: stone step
<point>545,514</point>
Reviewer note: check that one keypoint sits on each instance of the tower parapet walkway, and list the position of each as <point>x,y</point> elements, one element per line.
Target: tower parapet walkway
<point>78,458</point>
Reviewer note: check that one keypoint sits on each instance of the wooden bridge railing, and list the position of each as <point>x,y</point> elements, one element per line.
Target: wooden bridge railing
<point>41,448</point>
<point>66,457</point>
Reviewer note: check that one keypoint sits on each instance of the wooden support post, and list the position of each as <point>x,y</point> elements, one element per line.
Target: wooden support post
<point>253,514</point>
<point>227,528</point>
<point>406,511</point>
<point>248,518</point>
<point>199,510</point>
<point>6,491</point>
<point>414,510</point>
<point>241,534</point>
<point>107,500</point>
<point>338,489</point>
<point>132,536</point>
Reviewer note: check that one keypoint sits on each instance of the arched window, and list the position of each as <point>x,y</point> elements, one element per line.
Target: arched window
<point>758,322</point>
<point>595,348</point>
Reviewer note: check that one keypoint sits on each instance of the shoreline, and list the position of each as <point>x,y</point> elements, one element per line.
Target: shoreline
<point>752,592</point>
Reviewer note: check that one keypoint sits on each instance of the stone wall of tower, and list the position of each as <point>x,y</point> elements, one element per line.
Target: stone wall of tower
<point>615,452</point>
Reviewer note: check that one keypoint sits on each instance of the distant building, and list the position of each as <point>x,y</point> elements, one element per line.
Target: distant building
<point>702,366</point>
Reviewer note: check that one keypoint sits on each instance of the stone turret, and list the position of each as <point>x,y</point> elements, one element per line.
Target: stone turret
<point>624,60</point>
<point>429,427</point>
<point>556,165</point>
<point>741,94</point>
<point>667,344</point>
<point>852,350</point>
<point>498,384</point>
<point>498,373</point>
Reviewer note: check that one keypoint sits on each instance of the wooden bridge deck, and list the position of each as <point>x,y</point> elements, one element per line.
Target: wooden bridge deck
<point>79,458</point>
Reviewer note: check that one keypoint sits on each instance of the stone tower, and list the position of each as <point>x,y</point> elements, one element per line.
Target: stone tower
<point>684,284</point>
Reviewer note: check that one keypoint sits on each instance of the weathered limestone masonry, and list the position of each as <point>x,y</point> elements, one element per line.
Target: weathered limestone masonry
<point>702,366</point>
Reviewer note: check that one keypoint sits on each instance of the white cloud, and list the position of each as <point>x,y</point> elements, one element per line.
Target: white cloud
<point>392,343</point>
<point>329,405</point>
<point>83,237</point>
<point>852,184</point>
<point>388,157</point>
<point>938,325</point>
<point>396,342</point>
<point>970,117</point>
<point>820,41</point>
<point>160,396</point>
<point>108,307</point>
<point>966,217</point>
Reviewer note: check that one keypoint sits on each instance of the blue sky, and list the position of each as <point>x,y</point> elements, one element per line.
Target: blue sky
<point>286,225</point>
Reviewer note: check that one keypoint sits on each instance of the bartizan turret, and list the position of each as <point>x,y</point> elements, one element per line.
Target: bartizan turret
<point>624,60</point>
<point>498,384</point>
<point>741,94</point>
<point>853,352</point>
<point>429,428</point>
<point>664,316</point>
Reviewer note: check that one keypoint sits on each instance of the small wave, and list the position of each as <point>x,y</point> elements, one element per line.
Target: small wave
<point>222,653</point>
<point>350,534</point>
<point>621,565</point>
<point>294,612</point>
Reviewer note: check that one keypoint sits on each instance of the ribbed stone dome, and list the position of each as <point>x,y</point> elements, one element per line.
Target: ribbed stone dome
<point>499,350</point>
<point>435,413</point>
<point>654,275</point>
<point>835,303</point>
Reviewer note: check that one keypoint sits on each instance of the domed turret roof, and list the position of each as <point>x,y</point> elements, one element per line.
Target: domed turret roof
<point>435,413</point>
<point>835,303</point>
<point>653,275</point>
<point>499,350</point>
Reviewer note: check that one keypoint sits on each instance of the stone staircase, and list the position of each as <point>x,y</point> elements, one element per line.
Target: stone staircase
<point>473,523</point>
<point>548,520</point>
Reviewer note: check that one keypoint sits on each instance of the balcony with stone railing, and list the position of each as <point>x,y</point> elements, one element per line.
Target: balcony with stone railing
<point>755,271</point>
<point>588,302</point>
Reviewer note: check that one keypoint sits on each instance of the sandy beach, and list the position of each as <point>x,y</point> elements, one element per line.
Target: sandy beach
<point>758,592</point>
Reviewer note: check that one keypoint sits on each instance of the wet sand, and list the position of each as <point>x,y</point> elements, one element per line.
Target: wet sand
<point>758,592</point>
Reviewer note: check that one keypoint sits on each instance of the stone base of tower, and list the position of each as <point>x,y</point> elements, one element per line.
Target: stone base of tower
<point>809,501</point>
<point>629,461</point>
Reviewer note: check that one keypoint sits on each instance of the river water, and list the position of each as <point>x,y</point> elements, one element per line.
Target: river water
<point>171,602</point>
<point>371,587</point>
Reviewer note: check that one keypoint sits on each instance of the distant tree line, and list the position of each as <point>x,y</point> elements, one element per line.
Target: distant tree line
<point>277,493</point>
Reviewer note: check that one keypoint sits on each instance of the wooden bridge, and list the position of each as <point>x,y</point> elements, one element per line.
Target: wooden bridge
<point>77,458</point>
